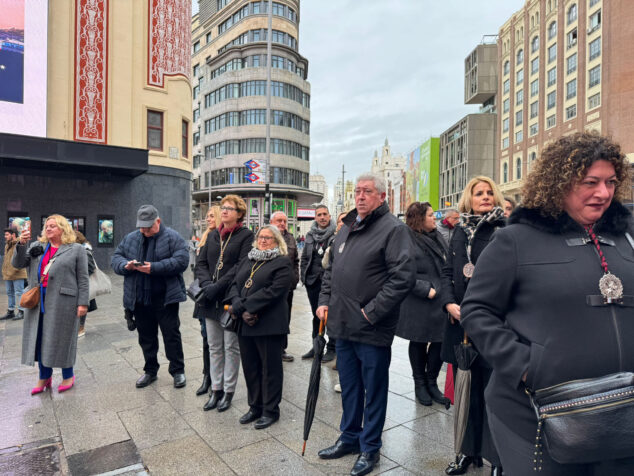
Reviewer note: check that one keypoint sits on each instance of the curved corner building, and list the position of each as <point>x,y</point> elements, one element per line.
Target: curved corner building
<point>233,112</point>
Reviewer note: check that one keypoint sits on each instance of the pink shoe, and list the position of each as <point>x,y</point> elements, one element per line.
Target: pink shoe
<point>47,384</point>
<point>63,388</point>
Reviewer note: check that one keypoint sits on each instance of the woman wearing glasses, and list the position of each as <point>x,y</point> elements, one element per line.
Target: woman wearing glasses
<point>258,297</point>
<point>216,268</point>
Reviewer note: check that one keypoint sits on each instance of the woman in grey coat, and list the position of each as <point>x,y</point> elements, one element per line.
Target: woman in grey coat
<point>59,267</point>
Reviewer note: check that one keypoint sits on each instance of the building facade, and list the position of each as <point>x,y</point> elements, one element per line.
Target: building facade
<point>117,119</point>
<point>564,66</point>
<point>251,103</point>
<point>391,167</point>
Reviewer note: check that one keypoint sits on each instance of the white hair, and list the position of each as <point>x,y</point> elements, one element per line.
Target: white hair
<point>378,180</point>
<point>279,212</point>
<point>281,244</point>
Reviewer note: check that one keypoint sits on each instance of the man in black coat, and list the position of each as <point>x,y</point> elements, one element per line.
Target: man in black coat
<point>279,220</point>
<point>372,272</point>
<point>317,241</point>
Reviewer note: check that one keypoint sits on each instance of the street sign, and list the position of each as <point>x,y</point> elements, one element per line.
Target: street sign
<point>438,215</point>
<point>252,177</point>
<point>251,164</point>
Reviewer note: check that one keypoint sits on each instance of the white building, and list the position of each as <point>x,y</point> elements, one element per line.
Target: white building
<point>392,168</point>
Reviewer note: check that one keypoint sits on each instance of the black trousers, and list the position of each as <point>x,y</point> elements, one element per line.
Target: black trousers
<point>148,321</point>
<point>263,372</point>
<point>289,300</point>
<point>313,297</point>
<point>425,361</point>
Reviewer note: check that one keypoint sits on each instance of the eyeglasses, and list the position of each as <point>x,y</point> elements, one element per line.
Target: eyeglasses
<point>228,209</point>
<point>266,238</point>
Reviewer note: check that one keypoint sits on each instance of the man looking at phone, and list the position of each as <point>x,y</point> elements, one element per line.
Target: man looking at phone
<point>152,260</point>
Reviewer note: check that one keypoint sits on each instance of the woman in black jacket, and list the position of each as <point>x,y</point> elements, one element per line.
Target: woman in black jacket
<point>216,268</point>
<point>538,307</point>
<point>258,297</point>
<point>480,215</point>
<point>422,320</point>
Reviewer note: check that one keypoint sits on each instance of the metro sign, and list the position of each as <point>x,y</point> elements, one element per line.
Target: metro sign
<point>252,164</point>
<point>252,177</point>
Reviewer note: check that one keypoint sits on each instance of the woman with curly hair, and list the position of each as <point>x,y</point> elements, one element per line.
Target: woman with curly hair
<point>552,301</point>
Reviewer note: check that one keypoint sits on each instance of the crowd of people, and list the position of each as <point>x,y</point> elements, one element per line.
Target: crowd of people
<point>542,295</point>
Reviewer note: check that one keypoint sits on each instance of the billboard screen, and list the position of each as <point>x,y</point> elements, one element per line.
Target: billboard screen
<point>422,176</point>
<point>23,66</point>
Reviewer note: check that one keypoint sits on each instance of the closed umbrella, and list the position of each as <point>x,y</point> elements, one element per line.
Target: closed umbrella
<point>319,342</point>
<point>465,356</point>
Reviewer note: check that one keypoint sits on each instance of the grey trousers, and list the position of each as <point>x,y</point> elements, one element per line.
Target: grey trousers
<point>224,357</point>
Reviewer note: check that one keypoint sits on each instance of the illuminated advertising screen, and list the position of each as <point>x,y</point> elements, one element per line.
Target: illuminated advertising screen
<point>23,66</point>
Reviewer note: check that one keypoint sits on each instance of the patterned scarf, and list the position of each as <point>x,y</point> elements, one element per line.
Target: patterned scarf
<point>322,234</point>
<point>263,255</point>
<point>470,223</point>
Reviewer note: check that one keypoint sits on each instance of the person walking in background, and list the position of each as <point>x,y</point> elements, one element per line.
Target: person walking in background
<point>13,277</point>
<point>216,267</point>
<point>317,241</point>
<point>152,260</point>
<point>213,222</point>
<point>258,297</point>
<point>422,319</point>
<point>552,301</point>
<point>509,206</point>
<point>481,214</point>
<point>448,224</point>
<point>280,220</point>
<point>92,266</point>
<point>59,267</point>
<point>372,272</point>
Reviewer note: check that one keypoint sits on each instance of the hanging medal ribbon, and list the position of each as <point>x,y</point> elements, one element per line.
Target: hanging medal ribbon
<point>249,282</point>
<point>220,263</point>
<point>610,286</point>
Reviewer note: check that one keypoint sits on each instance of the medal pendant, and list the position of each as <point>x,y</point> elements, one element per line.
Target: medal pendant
<point>467,270</point>
<point>220,264</point>
<point>248,283</point>
<point>320,251</point>
<point>611,287</point>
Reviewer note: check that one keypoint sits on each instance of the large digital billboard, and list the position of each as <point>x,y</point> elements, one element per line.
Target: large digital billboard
<point>23,66</point>
<point>422,175</point>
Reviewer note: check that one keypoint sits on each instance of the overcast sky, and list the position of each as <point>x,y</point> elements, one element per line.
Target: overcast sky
<point>387,69</point>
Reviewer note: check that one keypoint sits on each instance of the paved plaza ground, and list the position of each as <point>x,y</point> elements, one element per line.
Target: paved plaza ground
<point>106,426</point>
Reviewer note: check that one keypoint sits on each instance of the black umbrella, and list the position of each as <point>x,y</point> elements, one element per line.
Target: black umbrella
<point>319,343</point>
<point>465,356</point>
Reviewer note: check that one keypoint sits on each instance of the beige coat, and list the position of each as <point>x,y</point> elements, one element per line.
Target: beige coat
<point>9,273</point>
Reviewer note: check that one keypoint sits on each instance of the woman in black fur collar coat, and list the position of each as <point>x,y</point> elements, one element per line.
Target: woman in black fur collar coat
<point>538,307</point>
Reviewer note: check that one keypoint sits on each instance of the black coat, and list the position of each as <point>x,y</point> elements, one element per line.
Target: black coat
<point>236,251</point>
<point>528,308</point>
<point>372,269</point>
<point>454,284</point>
<point>423,319</point>
<point>266,298</point>
<point>291,244</point>
<point>307,270</point>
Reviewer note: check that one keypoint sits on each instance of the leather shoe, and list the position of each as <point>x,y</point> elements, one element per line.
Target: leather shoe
<point>145,380</point>
<point>287,357</point>
<point>338,450</point>
<point>214,398</point>
<point>248,417</point>
<point>179,380</point>
<point>329,356</point>
<point>365,463</point>
<point>309,355</point>
<point>264,422</point>
<point>462,463</point>
<point>225,403</point>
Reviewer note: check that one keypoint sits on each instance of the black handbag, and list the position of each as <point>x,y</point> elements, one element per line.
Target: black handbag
<point>585,421</point>
<point>194,291</point>
<point>227,322</point>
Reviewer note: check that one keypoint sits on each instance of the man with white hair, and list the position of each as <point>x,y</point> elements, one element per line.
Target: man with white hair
<point>372,270</point>
<point>280,220</point>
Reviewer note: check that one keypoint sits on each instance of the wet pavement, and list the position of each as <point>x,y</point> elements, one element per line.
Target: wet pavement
<point>105,425</point>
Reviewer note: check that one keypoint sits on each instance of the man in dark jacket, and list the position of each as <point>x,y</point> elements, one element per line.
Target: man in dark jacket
<point>152,261</point>
<point>318,239</point>
<point>279,220</point>
<point>372,272</point>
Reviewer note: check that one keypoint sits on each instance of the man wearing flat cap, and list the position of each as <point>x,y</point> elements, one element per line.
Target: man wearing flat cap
<point>152,260</point>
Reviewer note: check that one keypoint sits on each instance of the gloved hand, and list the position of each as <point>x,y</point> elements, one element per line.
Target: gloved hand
<point>249,318</point>
<point>210,292</point>
<point>236,307</point>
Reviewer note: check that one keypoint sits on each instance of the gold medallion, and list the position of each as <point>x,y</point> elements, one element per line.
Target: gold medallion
<point>248,283</point>
<point>220,264</point>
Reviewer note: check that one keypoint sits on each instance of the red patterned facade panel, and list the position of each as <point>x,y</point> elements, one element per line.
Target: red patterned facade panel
<point>91,71</point>
<point>169,40</point>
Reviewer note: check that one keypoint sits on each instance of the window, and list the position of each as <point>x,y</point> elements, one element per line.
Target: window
<point>518,169</point>
<point>534,129</point>
<point>196,70</point>
<point>534,109</point>
<point>520,57</point>
<point>595,49</point>
<point>594,22</point>
<point>594,101</point>
<point>520,76</point>
<point>572,38</point>
<point>535,66</point>
<point>571,111</point>
<point>571,89</point>
<point>552,53</point>
<point>552,76</point>
<point>196,139</point>
<point>196,114</point>
<point>220,4</point>
<point>571,63</point>
<point>519,118</point>
<point>506,105</point>
<point>593,3</point>
<point>196,46</point>
<point>535,88</point>
<point>519,136</point>
<point>550,121</point>
<point>154,130</point>
<point>505,125</point>
<point>507,86</point>
<point>505,143</point>
<point>507,67</point>
<point>184,138</point>
<point>195,91</point>
<point>551,100</point>
<point>535,44</point>
<point>572,13</point>
<point>519,97</point>
<point>505,172</point>
<point>552,30</point>
<point>208,38</point>
<point>595,75</point>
